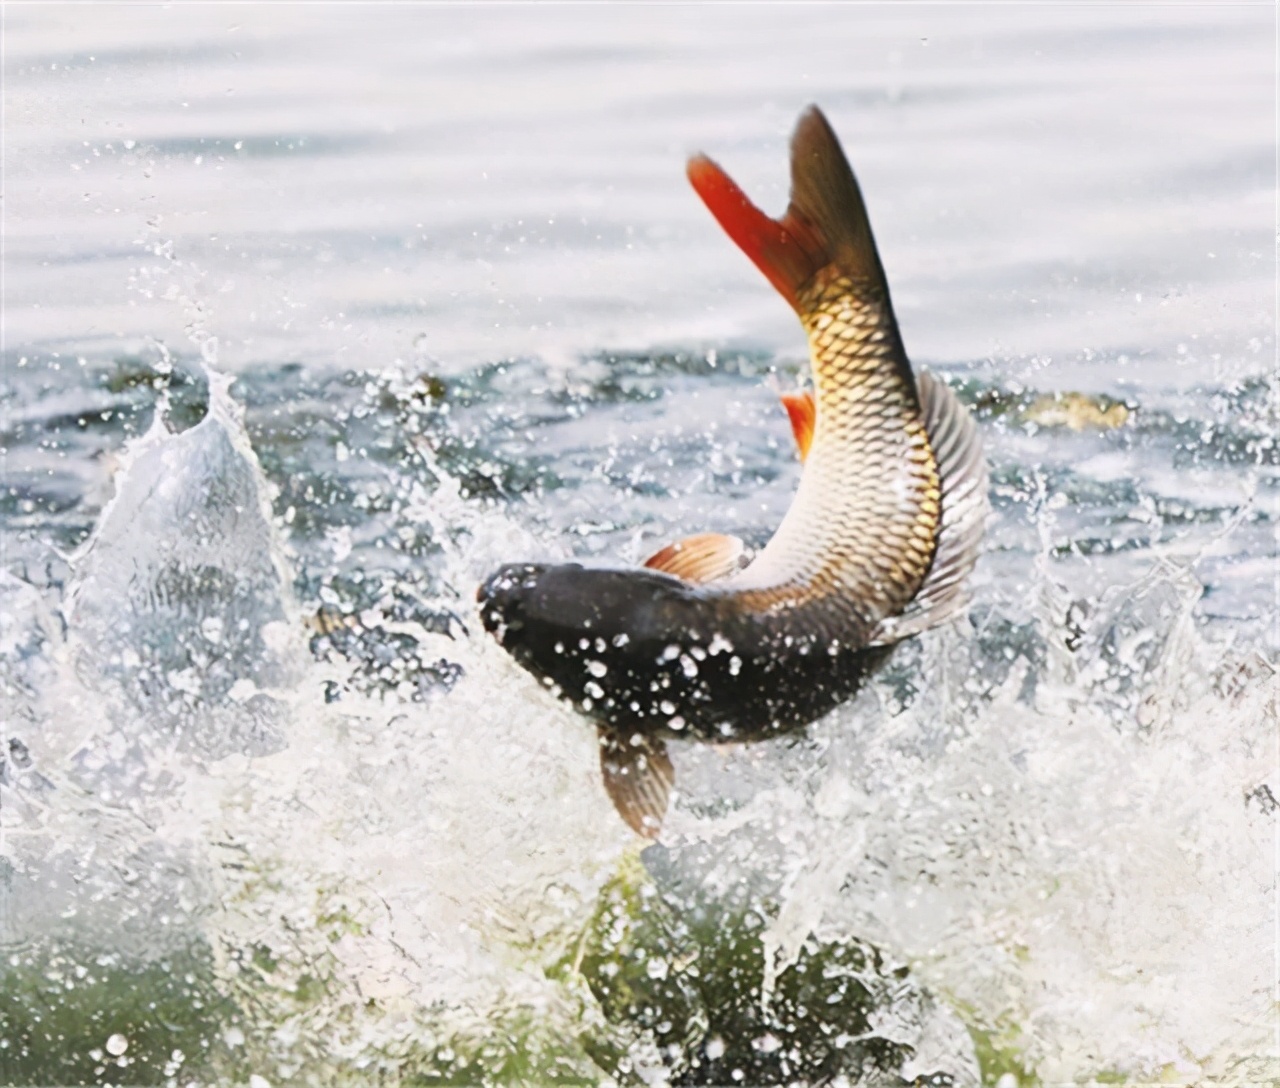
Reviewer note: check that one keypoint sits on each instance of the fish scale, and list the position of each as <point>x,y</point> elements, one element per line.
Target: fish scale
<point>865,520</point>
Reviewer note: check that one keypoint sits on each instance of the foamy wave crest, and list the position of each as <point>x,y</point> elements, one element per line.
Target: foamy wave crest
<point>1081,859</point>
<point>403,868</point>
<point>1064,830</point>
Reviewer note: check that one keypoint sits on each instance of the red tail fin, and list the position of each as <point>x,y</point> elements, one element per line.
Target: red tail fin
<point>825,223</point>
<point>784,251</point>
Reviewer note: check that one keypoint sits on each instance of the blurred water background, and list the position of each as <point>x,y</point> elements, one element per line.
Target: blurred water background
<point>314,314</point>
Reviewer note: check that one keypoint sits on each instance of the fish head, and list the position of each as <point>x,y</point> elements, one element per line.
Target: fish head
<point>570,625</point>
<point>502,597</point>
<point>530,608</point>
<point>524,605</point>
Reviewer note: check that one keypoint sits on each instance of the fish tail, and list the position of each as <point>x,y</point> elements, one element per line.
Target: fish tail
<point>824,229</point>
<point>863,527</point>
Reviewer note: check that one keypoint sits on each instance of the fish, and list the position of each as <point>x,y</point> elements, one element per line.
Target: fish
<point>705,643</point>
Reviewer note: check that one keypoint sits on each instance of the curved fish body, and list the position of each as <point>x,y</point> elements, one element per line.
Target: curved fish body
<point>884,528</point>
<point>646,652</point>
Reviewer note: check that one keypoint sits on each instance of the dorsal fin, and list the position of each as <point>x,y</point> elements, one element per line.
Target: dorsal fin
<point>824,225</point>
<point>701,558</point>
<point>802,410</point>
<point>962,473</point>
<point>638,776</point>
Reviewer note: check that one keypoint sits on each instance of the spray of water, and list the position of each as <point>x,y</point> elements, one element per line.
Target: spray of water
<point>1072,849</point>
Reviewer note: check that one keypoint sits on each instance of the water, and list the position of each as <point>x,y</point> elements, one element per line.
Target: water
<point>314,316</point>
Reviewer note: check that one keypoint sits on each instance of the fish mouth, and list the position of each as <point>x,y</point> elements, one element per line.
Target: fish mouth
<point>503,596</point>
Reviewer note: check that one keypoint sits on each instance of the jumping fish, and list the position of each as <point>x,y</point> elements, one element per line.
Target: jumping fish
<point>884,528</point>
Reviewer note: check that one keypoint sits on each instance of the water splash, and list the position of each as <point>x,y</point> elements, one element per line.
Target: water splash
<point>411,864</point>
<point>1080,863</point>
<point>180,596</point>
<point>1059,823</point>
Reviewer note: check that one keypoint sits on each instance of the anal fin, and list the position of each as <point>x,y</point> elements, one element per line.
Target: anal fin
<point>802,410</point>
<point>700,558</point>
<point>638,776</point>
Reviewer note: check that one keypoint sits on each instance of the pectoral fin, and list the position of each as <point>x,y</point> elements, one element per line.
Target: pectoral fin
<point>638,776</point>
<point>698,559</point>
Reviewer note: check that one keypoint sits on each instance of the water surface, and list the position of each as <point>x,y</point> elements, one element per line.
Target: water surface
<point>312,316</point>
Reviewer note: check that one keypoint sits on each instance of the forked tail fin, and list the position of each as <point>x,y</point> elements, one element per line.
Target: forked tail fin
<point>825,224</point>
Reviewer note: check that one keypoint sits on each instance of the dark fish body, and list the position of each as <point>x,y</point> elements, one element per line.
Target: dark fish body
<point>641,651</point>
<point>876,546</point>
